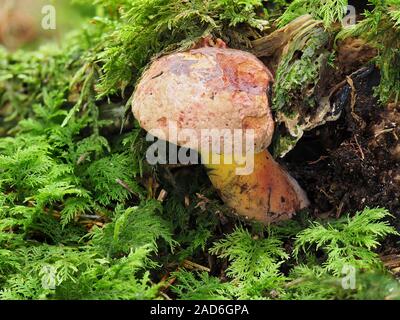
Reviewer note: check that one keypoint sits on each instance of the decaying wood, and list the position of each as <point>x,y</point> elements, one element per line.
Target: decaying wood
<point>272,46</point>
<point>274,42</point>
<point>392,262</point>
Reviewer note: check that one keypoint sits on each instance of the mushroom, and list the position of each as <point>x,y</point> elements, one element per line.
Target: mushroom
<point>214,87</point>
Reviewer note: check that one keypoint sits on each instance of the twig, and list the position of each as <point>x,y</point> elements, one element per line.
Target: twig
<point>97,223</point>
<point>321,158</point>
<point>391,261</point>
<point>340,207</point>
<point>165,295</point>
<point>383,131</point>
<point>162,195</point>
<point>124,185</point>
<point>90,216</point>
<point>324,192</point>
<point>353,101</point>
<point>169,283</point>
<point>294,282</point>
<point>161,291</point>
<point>396,270</point>
<point>359,147</point>
<point>187,201</point>
<point>192,265</point>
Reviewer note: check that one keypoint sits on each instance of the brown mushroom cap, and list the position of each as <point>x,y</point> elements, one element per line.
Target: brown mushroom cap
<point>205,88</point>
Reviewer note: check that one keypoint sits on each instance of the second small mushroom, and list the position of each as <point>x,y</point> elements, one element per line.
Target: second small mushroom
<point>224,89</point>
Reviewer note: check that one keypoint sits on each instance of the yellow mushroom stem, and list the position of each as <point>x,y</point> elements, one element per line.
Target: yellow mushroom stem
<point>268,194</point>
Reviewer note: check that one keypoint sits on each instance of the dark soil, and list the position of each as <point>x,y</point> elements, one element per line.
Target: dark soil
<point>354,162</point>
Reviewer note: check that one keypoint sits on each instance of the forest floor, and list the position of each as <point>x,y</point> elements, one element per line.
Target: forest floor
<point>84,216</point>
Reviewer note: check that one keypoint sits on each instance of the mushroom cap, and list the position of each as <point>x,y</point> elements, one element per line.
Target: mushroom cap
<point>205,88</point>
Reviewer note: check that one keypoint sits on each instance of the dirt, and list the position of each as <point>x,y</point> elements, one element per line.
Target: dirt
<point>352,163</point>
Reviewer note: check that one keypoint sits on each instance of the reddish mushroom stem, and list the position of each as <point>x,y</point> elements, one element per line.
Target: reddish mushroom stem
<point>268,194</point>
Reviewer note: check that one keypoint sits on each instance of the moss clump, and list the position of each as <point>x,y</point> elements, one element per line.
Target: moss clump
<point>79,217</point>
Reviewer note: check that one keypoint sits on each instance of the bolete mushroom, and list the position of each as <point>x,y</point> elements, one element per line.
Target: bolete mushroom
<point>224,89</point>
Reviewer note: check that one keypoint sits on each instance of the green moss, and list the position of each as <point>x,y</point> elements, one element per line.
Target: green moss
<point>68,163</point>
<point>329,11</point>
<point>381,28</point>
<point>298,72</point>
